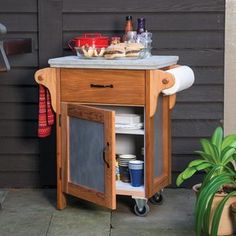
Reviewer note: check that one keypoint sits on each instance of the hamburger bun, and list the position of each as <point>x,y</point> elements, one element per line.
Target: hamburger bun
<point>115,51</point>
<point>133,49</point>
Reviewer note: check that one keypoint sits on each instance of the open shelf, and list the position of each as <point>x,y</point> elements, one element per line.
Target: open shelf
<point>127,189</point>
<point>130,131</point>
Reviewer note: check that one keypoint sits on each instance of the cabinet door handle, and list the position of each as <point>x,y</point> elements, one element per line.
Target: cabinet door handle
<point>101,85</point>
<point>104,155</point>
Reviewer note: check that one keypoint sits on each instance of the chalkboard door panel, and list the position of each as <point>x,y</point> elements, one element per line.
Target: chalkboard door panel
<point>88,153</point>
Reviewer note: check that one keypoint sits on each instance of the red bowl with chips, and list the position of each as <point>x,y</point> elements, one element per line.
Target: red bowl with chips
<point>96,40</point>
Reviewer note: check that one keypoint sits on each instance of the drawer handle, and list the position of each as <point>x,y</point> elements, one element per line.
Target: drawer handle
<point>101,86</point>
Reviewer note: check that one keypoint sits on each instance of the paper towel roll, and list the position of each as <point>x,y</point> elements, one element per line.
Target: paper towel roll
<point>184,78</point>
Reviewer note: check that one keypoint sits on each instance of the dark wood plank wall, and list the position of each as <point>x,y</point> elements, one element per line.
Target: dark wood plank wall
<point>194,30</point>
<point>19,148</point>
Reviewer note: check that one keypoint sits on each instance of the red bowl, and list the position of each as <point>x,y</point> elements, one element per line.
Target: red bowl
<point>91,40</point>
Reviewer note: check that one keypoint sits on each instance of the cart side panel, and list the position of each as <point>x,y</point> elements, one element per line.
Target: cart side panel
<point>157,135</point>
<point>158,139</point>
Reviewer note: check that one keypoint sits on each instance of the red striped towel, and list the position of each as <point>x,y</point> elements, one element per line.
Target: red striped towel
<point>46,115</point>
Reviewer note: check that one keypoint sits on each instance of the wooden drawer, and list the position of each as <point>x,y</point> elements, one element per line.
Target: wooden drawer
<point>120,86</point>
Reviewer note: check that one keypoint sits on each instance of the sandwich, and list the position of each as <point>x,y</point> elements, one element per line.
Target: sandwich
<point>115,51</point>
<point>133,49</point>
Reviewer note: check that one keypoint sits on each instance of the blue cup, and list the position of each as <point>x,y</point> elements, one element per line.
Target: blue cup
<point>136,172</point>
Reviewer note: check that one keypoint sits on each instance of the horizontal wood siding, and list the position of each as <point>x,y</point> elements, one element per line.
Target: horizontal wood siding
<point>193,30</point>
<point>134,6</point>
<point>19,147</point>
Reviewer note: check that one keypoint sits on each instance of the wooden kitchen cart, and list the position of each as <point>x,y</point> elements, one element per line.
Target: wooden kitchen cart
<point>86,95</point>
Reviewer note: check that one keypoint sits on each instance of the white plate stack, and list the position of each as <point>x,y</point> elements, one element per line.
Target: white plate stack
<point>125,158</point>
<point>128,121</point>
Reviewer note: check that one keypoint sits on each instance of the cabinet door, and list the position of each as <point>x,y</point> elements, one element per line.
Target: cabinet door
<point>88,153</point>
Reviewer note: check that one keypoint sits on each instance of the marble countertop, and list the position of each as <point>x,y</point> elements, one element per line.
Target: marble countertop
<point>153,62</point>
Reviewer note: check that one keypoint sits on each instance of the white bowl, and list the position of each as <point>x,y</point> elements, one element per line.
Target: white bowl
<point>127,156</point>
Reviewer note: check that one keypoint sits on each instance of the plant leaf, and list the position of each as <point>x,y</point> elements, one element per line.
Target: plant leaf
<point>203,166</point>
<point>205,156</point>
<point>231,166</point>
<point>197,162</point>
<point>211,174</point>
<point>217,153</point>
<point>193,166</point>
<point>188,172</point>
<point>217,138</point>
<point>179,179</point>
<point>209,149</point>
<point>229,140</point>
<point>205,146</point>
<point>227,154</point>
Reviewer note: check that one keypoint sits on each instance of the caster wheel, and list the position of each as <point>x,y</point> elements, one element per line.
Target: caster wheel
<point>143,212</point>
<point>156,199</point>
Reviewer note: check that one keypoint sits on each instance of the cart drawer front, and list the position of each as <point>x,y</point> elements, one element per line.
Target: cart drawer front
<point>103,86</point>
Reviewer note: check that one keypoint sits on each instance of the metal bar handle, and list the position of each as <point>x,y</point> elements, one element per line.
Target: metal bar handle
<point>104,155</point>
<point>101,86</point>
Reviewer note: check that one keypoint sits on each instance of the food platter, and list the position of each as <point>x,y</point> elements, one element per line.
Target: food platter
<point>121,51</point>
<point>95,46</point>
<point>110,59</point>
<point>124,58</point>
<point>140,55</point>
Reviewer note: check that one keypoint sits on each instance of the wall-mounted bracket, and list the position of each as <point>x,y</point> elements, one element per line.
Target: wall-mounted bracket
<point>12,47</point>
<point>17,46</point>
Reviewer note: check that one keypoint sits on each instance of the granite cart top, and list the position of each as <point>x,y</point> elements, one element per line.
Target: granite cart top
<point>153,62</point>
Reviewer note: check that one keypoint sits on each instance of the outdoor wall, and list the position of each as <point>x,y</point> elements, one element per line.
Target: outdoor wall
<point>193,30</point>
<point>19,147</point>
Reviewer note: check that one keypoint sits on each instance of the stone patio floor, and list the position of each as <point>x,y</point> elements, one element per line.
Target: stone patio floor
<point>31,212</point>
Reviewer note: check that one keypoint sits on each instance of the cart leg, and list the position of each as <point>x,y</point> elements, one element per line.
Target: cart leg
<point>141,207</point>
<point>61,199</point>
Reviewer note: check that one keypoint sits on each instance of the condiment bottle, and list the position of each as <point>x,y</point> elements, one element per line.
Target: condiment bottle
<point>141,26</point>
<point>117,171</point>
<point>128,26</point>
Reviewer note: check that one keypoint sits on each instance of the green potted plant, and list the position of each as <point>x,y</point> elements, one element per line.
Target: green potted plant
<point>216,161</point>
<point>218,151</point>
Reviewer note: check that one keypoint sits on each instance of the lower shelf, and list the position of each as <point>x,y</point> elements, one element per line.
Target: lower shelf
<point>127,189</point>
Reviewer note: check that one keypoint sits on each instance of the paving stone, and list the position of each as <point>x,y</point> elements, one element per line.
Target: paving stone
<point>16,223</point>
<point>30,200</point>
<point>80,218</point>
<point>25,213</point>
<point>149,232</point>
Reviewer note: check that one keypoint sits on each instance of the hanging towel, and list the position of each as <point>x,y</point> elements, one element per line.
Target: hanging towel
<point>46,115</point>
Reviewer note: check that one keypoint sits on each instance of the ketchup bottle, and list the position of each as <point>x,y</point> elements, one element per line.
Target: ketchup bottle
<point>128,26</point>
